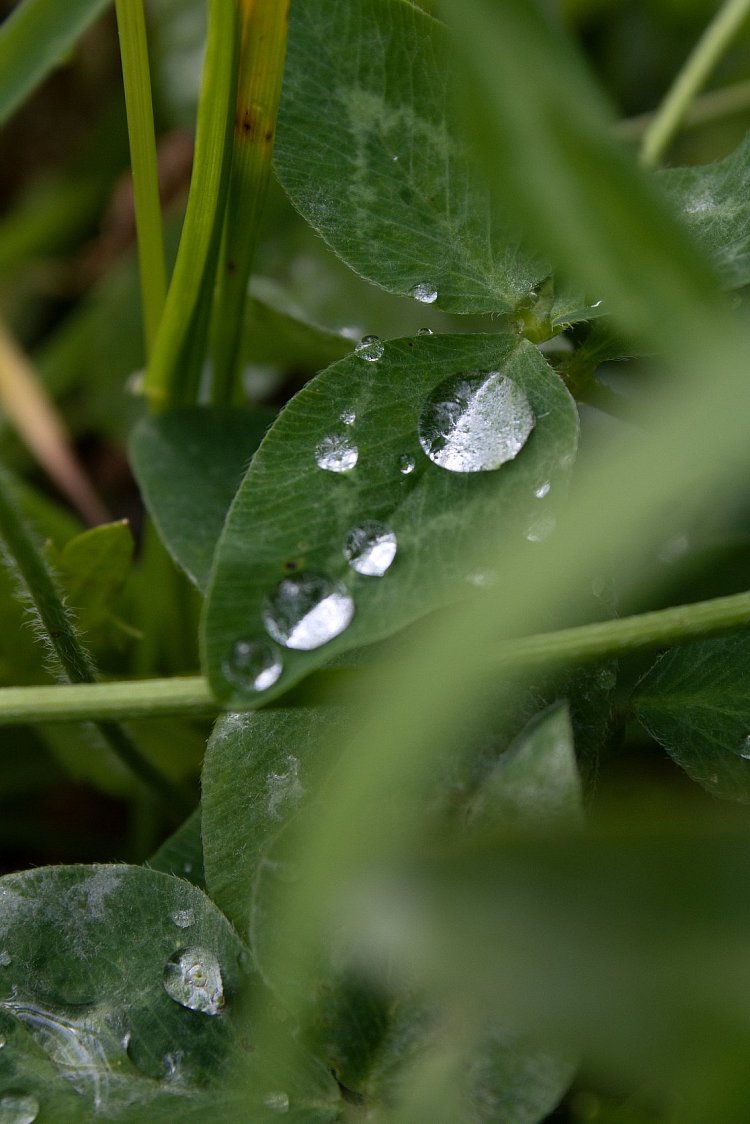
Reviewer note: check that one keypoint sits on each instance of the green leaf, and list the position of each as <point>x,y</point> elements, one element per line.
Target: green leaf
<point>370,155</point>
<point>91,1029</point>
<point>695,701</point>
<point>438,516</point>
<point>182,853</point>
<point>93,568</point>
<point>274,334</point>
<point>189,464</point>
<point>513,1079</point>
<point>714,202</point>
<point>34,39</point>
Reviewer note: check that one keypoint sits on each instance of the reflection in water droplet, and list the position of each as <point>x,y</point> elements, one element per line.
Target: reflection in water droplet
<point>192,977</point>
<point>279,1102</point>
<point>348,417</point>
<point>307,610</point>
<point>406,464</point>
<point>183,918</point>
<point>370,348</point>
<point>370,548</point>
<point>543,490</point>
<point>424,292</point>
<point>424,331</point>
<point>336,453</point>
<point>253,665</point>
<point>745,747</point>
<point>541,528</point>
<point>475,422</point>
<point>18,1108</point>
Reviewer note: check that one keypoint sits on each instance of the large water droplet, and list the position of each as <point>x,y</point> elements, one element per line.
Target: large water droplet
<point>307,610</point>
<point>18,1108</point>
<point>475,422</point>
<point>278,1102</point>
<point>370,548</point>
<point>406,464</point>
<point>424,292</point>
<point>253,665</point>
<point>192,977</point>
<point>336,453</point>
<point>745,747</point>
<point>183,918</point>
<point>370,348</point>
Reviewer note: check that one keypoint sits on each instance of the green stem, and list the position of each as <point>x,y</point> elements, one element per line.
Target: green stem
<point>713,106</point>
<point>60,635</point>
<point>174,371</point>
<point>191,696</point>
<point>264,34</point>
<point>131,25</point>
<point>707,52</point>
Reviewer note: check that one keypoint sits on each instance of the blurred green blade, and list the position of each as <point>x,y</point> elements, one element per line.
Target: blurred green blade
<point>34,39</point>
<point>371,412</point>
<point>370,154</point>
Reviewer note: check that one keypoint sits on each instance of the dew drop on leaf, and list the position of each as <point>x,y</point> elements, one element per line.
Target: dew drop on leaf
<point>424,331</point>
<point>745,747</point>
<point>3,1041</point>
<point>406,464</point>
<point>277,1102</point>
<point>183,918</point>
<point>307,610</point>
<point>370,548</point>
<point>336,453</point>
<point>543,490</point>
<point>541,528</point>
<point>475,422</point>
<point>5,959</point>
<point>18,1108</point>
<point>192,977</point>
<point>252,665</point>
<point>370,348</point>
<point>348,417</point>
<point>424,293</point>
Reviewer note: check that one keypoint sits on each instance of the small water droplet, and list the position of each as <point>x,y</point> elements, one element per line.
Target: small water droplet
<point>606,678</point>
<point>541,528</point>
<point>172,1066</point>
<point>307,610</point>
<point>18,1108</point>
<point>475,422</point>
<point>253,665</point>
<point>336,453</point>
<point>183,918</point>
<point>674,549</point>
<point>424,331</point>
<point>543,490</point>
<point>370,348</point>
<point>424,293</point>
<point>482,579</point>
<point>370,548</point>
<point>5,959</point>
<point>745,747</point>
<point>279,1102</point>
<point>406,464</point>
<point>348,417</point>
<point>394,158</point>
<point>187,868</point>
<point>192,977</point>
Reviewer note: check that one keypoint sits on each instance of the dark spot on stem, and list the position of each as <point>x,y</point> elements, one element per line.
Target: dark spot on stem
<point>231,266</point>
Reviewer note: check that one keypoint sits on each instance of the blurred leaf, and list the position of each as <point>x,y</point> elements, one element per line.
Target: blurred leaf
<point>273,334</point>
<point>369,153</point>
<point>34,39</point>
<point>714,201</point>
<point>695,701</point>
<point>189,464</point>
<point>182,853</point>
<point>439,517</point>
<point>92,569</point>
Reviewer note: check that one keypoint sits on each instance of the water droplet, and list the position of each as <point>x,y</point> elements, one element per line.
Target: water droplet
<point>18,1108</point>
<point>183,918</point>
<point>172,1066</point>
<point>3,1041</point>
<point>674,549</point>
<point>5,959</point>
<point>187,868</point>
<point>541,528</point>
<point>482,579</point>
<point>370,348</point>
<point>307,610</point>
<point>424,331</point>
<point>606,678</point>
<point>406,464</point>
<point>424,292</point>
<point>543,490</point>
<point>283,788</point>
<point>279,1102</point>
<point>745,747</point>
<point>370,548</point>
<point>192,977</point>
<point>394,158</point>
<point>336,453</point>
<point>348,417</point>
<point>253,665</point>
<point>475,422</point>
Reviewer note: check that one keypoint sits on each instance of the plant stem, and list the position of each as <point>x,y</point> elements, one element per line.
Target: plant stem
<point>174,371</point>
<point>191,696</point>
<point>131,26</point>
<point>707,52</point>
<point>713,106</point>
<point>60,635</point>
<point>262,53</point>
